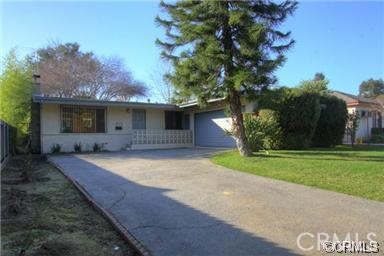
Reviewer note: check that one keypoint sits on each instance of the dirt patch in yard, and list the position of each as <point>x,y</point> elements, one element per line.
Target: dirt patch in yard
<point>48,216</point>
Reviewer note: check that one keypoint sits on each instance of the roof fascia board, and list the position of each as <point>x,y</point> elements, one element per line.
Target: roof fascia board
<point>82,102</point>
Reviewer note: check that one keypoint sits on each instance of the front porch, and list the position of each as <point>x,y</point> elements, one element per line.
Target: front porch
<point>114,125</point>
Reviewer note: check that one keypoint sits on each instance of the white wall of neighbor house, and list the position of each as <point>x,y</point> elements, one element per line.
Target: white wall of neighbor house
<point>113,139</point>
<point>365,126</point>
<point>366,122</point>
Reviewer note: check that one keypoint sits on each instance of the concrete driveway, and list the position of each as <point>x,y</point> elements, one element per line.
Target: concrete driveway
<point>176,202</point>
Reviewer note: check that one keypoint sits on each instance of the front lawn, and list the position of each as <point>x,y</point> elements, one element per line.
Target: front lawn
<point>355,171</point>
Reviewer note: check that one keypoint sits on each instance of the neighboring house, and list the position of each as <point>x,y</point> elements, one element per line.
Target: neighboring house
<point>127,125</point>
<point>371,113</point>
<point>380,99</point>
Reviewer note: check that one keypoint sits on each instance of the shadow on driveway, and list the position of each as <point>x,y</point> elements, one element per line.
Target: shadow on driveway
<point>162,224</point>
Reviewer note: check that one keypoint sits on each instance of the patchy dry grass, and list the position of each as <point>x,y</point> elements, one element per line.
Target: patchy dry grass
<point>48,216</point>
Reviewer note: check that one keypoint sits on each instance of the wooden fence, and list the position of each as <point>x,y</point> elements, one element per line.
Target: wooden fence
<point>4,141</point>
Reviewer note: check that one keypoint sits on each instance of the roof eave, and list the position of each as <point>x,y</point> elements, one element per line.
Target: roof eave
<point>195,103</point>
<point>86,102</point>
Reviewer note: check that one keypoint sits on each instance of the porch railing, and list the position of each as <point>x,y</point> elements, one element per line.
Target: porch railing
<point>159,136</point>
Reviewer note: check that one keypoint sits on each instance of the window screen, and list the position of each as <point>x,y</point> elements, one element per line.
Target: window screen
<point>138,119</point>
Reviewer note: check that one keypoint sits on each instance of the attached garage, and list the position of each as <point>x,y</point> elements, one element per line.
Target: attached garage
<point>210,129</point>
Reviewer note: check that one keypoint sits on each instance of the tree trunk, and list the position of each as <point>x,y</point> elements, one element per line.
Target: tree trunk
<point>238,130</point>
<point>238,125</point>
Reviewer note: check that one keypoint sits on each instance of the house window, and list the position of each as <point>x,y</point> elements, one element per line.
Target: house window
<point>77,119</point>
<point>138,119</point>
<point>173,120</point>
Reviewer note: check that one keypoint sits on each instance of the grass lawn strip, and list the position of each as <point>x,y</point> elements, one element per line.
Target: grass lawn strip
<point>355,171</point>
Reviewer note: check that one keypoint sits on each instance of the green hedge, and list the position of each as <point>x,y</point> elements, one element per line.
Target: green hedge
<point>331,125</point>
<point>377,135</point>
<point>377,131</point>
<point>298,113</point>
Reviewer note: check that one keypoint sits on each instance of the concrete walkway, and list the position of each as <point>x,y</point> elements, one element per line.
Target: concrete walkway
<point>176,202</point>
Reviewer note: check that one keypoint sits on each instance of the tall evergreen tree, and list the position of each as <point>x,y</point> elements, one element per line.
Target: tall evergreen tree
<point>225,49</point>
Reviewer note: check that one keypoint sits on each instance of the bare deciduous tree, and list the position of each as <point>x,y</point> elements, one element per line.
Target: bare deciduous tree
<point>162,88</point>
<point>117,82</point>
<point>65,71</point>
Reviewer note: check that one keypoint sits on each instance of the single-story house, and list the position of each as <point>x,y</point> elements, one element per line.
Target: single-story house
<point>127,125</point>
<point>116,125</point>
<point>370,111</point>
